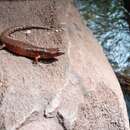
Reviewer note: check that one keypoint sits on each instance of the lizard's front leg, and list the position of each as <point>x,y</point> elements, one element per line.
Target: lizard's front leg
<point>2,46</point>
<point>36,59</point>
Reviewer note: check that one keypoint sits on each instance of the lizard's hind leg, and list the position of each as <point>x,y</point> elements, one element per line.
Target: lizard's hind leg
<point>2,46</point>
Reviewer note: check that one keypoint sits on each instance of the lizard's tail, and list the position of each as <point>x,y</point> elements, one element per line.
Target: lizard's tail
<point>11,30</point>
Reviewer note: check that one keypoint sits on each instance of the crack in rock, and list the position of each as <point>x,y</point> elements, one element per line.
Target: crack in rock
<point>61,121</point>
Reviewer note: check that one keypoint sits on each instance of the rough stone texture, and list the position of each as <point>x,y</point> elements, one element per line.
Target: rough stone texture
<point>77,92</point>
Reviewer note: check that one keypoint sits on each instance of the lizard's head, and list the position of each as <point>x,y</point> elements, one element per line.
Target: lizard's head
<point>50,53</point>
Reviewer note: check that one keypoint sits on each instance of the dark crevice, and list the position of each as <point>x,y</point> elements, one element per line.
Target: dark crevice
<point>61,120</point>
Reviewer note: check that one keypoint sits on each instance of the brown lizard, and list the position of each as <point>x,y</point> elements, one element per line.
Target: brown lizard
<point>25,49</point>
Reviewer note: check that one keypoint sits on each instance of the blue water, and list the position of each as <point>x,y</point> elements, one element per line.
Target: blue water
<point>107,20</point>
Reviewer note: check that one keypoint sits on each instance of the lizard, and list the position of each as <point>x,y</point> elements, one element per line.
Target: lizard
<point>25,49</point>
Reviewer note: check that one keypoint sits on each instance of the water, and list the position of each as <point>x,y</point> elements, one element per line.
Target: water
<point>107,20</point>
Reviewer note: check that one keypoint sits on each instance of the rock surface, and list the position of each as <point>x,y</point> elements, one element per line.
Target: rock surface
<point>77,92</point>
